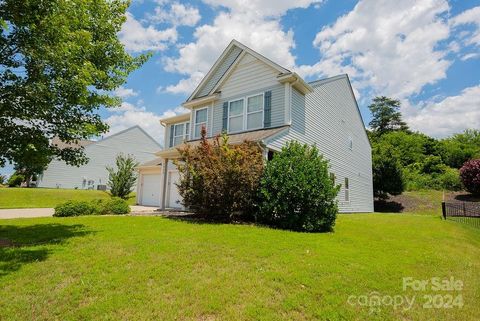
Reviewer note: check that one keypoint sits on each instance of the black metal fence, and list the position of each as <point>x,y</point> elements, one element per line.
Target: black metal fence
<point>465,212</point>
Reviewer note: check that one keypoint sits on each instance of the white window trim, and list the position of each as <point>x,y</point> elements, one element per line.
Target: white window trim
<point>195,122</point>
<point>246,113</point>
<point>183,134</point>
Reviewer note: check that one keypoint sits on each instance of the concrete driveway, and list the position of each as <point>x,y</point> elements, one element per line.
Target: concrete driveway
<point>26,212</point>
<point>47,212</point>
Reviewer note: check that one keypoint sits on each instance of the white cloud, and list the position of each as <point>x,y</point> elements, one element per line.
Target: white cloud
<point>254,23</point>
<point>386,46</point>
<point>128,115</point>
<point>450,115</point>
<point>470,16</point>
<point>470,56</point>
<point>123,92</point>
<point>137,38</point>
<point>177,14</point>
<point>263,8</point>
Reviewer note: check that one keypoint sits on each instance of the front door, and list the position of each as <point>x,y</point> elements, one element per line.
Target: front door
<point>174,198</point>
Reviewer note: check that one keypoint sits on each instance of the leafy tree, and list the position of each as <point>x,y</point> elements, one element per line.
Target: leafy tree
<point>219,180</point>
<point>122,179</point>
<point>386,116</point>
<point>387,172</point>
<point>15,180</point>
<point>31,162</point>
<point>297,192</point>
<point>470,174</point>
<point>459,148</point>
<point>59,60</point>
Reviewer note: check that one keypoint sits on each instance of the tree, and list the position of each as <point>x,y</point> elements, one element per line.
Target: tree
<point>459,148</point>
<point>219,180</point>
<point>59,62</point>
<point>31,162</point>
<point>386,116</point>
<point>297,192</point>
<point>470,175</point>
<point>122,179</point>
<point>387,172</point>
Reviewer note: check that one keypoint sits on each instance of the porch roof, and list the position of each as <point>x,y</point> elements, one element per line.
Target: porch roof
<point>254,136</point>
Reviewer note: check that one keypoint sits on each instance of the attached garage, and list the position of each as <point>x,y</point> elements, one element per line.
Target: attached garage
<point>150,185</point>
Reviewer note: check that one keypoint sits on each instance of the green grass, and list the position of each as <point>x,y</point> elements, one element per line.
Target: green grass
<point>152,268</point>
<point>47,197</point>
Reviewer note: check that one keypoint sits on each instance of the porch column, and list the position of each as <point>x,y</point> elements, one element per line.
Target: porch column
<point>164,183</point>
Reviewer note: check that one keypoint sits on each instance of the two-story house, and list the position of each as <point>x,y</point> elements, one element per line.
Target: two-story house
<point>253,98</point>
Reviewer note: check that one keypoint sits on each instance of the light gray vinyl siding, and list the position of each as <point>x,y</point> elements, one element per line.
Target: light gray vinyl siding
<point>277,113</point>
<point>220,71</point>
<point>328,117</point>
<point>132,141</point>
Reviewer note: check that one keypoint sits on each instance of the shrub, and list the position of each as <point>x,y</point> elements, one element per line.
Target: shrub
<point>219,180</point>
<point>15,180</point>
<point>296,190</point>
<point>122,180</point>
<point>114,205</point>
<point>470,175</point>
<point>75,208</point>
<point>2,179</point>
<point>387,172</point>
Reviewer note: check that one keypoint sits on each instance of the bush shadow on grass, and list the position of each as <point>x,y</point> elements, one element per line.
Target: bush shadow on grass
<point>193,218</point>
<point>385,206</point>
<point>21,245</point>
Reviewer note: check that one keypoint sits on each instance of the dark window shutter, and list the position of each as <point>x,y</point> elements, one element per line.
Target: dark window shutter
<point>267,122</point>
<point>172,128</point>
<point>225,116</point>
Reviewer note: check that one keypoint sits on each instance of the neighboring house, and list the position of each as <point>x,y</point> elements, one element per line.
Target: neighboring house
<point>253,98</point>
<point>134,141</point>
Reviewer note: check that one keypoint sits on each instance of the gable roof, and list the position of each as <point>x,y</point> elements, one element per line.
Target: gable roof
<point>62,145</point>
<point>84,143</point>
<point>238,50</point>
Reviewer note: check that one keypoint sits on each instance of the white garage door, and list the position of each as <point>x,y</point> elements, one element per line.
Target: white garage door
<point>174,198</point>
<point>151,190</point>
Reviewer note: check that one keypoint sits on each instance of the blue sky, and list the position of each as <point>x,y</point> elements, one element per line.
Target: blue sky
<point>425,53</point>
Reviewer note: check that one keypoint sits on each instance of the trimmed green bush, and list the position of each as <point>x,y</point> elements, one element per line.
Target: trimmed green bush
<point>75,208</point>
<point>114,205</point>
<point>297,192</point>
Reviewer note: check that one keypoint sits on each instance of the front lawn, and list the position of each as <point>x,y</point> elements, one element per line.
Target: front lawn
<point>48,197</point>
<point>152,268</point>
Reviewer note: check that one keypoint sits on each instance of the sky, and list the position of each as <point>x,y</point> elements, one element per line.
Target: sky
<point>424,53</point>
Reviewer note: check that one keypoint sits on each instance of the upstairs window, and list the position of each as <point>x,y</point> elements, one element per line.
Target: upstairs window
<point>201,116</point>
<point>255,112</point>
<point>235,116</point>
<point>180,133</point>
<point>245,114</point>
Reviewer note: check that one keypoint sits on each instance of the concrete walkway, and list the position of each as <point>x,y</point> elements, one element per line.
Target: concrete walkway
<point>48,212</point>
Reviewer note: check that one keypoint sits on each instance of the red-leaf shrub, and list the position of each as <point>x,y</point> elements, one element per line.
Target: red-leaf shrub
<point>219,180</point>
<point>470,174</point>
